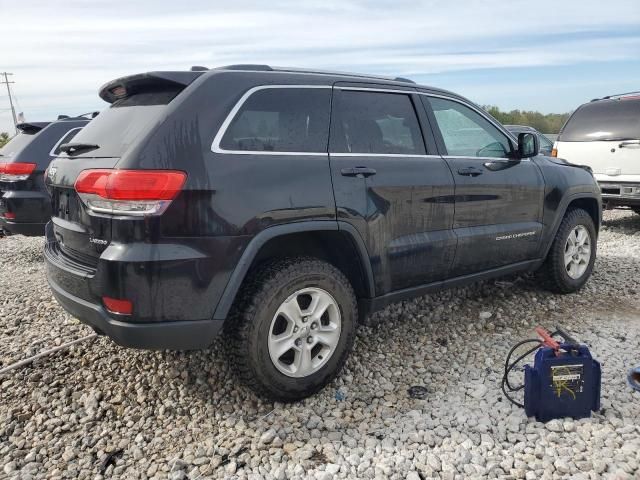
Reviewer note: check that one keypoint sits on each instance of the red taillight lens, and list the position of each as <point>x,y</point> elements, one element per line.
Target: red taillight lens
<point>93,182</point>
<point>129,192</point>
<point>115,305</point>
<point>11,172</point>
<point>9,215</point>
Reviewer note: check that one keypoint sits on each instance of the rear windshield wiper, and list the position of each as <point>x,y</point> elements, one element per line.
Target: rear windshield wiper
<point>77,147</point>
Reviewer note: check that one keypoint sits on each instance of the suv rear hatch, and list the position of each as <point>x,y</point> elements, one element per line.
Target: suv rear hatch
<point>139,105</point>
<point>605,135</point>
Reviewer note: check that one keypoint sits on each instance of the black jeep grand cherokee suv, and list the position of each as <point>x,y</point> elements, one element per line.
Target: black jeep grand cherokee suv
<point>278,205</point>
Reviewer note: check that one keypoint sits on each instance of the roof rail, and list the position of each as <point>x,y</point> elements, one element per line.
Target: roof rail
<point>267,68</point>
<point>619,95</point>
<point>246,66</point>
<point>342,74</point>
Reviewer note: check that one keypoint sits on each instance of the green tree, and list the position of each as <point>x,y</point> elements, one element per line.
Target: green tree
<point>545,123</point>
<point>4,138</point>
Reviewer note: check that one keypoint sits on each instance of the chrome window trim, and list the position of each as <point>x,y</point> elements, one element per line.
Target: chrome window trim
<point>347,154</point>
<point>215,146</point>
<point>375,89</point>
<point>489,159</point>
<point>59,142</point>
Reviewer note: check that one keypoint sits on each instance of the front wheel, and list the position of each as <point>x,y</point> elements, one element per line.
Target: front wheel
<point>292,327</point>
<point>570,260</point>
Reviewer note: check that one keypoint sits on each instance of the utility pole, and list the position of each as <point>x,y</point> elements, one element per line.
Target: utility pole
<point>13,110</point>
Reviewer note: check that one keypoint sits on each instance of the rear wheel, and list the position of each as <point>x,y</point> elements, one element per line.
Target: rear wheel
<point>292,328</point>
<point>573,252</point>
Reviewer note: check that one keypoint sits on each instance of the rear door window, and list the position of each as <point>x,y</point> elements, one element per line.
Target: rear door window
<point>376,123</point>
<point>281,120</point>
<point>466,133</point>
<point>603,120</point>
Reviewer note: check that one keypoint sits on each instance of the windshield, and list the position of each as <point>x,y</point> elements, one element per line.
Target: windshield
<point>16,144</point>
<point>603,120</point>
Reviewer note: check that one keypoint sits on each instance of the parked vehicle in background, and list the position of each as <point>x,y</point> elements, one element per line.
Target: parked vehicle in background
<point>605,135</point>
<point>25,204</point>
<point>280,206</point>
<point>545,143</point>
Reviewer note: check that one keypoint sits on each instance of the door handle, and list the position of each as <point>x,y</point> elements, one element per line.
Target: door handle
<point>470,172</point>
<point>358,172</point>
<point>628,143</point>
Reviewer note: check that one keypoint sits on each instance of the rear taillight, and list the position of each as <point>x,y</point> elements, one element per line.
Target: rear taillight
<point>12,172</point>
<point>129,192</point>
<point>554,150</point>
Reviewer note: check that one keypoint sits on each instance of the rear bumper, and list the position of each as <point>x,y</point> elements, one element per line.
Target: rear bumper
<point>79,289</point>
<point>31,210</point>
<point>183,335</point>
<point>620,193</point>
<point>18,228</point>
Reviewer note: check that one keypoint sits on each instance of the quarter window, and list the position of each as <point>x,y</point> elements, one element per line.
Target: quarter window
<point>281,120</point>
<point>467,133</point>
<point>377,123</point>
<point>66,139</point>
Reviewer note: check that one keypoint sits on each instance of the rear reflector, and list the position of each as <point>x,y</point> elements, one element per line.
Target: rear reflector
<point>554,150</point>
<point>129,192</point>
<point>114,305</point>
<point>12,172</point>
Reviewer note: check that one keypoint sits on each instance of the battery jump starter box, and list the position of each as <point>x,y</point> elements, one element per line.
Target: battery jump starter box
<point>563,382</point>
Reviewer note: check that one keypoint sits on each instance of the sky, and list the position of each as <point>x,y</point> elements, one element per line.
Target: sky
<point>548,55</point>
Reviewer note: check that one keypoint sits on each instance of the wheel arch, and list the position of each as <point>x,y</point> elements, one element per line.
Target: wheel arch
<point>336,242</point>
<point>587,202</point>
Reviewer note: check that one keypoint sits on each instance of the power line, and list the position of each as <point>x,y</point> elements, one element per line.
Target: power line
<point>13,110</point>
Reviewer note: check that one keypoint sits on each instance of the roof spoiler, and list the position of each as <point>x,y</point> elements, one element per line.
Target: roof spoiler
<point>126,86</point>
<point>31,127</point>
<point>83,116</point>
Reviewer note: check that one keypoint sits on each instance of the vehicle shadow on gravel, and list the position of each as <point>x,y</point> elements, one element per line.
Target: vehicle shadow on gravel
<point>627,224</point>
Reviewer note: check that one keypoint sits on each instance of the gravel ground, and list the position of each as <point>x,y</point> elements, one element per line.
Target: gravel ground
<point>180,415</point>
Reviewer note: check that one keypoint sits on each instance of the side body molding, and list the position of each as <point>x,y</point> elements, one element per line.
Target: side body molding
<point>238,275</point>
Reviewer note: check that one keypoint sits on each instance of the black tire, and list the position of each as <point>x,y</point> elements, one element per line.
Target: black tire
<point>249,323</point>
<point>553,273</point>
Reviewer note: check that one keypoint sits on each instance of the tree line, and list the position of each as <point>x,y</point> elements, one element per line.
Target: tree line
<point>4,138</point>
<point>549,123</point>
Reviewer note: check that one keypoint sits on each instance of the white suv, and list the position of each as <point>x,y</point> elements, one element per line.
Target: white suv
<point>605,135</point>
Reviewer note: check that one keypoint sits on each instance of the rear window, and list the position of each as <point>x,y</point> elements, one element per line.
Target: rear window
<point>281,120</point>
<point>603,120</point>
<point>124,123</point>
<point>16,144</point>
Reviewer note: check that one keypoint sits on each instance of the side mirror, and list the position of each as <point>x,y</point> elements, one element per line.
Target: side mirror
<point>528,145</point>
